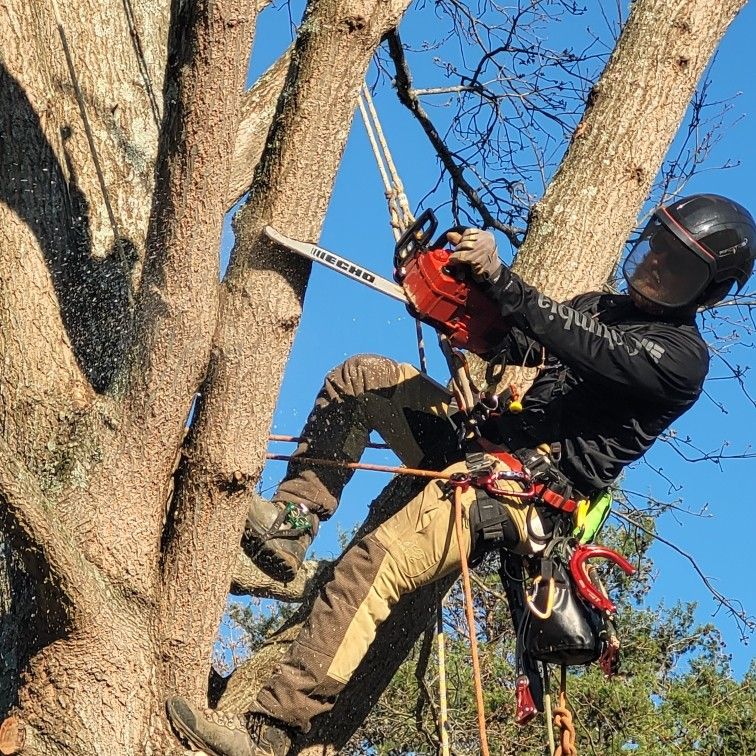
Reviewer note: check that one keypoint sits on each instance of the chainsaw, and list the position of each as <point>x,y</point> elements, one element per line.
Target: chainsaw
<point>444,297</point>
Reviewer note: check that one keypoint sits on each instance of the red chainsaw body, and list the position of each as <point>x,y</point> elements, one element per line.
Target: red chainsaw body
<point>457,308</point>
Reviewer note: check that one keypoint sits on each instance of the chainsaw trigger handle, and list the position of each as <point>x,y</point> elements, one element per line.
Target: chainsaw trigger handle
<point>585,586</point>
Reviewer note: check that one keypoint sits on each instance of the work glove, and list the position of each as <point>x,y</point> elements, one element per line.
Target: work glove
<point>477,249</point>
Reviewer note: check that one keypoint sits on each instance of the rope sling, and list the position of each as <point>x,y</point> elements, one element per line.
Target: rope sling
<point>401,218</point>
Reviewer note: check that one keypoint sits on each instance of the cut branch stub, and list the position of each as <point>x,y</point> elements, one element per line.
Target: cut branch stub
<point>12,736</point>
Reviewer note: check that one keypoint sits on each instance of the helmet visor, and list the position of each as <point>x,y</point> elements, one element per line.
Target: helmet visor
<point>664,270</point>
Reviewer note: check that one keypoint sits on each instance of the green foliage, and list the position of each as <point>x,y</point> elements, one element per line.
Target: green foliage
<point>675,693</point>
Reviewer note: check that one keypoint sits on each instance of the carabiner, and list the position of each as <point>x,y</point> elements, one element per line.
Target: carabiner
<point>528,492</point>
<point>530,599</point>
<point>584,585</point>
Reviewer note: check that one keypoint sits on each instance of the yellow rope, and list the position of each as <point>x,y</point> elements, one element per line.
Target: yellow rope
<point>443,713</point>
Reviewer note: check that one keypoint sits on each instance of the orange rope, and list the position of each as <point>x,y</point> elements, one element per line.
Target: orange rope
<point>297,439</point>
<point>361,466</point>
<point>470,622</point>
<point>563,720</point>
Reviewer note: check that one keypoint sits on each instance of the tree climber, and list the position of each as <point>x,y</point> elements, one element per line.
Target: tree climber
<point>615,372</point>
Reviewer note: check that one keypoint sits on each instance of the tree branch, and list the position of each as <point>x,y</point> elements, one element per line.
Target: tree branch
<point>744,620</point>
<point>257,109</point>
<point>408,97</point>
<point>620,143</point>
<point>177,308</point>
<point>28,514</point>
<point>249,580</point>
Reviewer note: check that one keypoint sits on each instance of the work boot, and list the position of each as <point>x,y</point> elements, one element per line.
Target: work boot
<point>277,535</point>
<point>219,733</point>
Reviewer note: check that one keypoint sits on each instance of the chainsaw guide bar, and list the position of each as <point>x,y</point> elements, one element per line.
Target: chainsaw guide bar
<point>339,264</point>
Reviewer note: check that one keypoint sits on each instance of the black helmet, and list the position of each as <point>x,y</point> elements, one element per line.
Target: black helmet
<point>692,251</point>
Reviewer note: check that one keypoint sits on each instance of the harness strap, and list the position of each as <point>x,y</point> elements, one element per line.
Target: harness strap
<point>543,492</point>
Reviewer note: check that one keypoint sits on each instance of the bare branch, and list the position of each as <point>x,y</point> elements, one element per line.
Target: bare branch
<point>745,621</point>
<point>408,98</point>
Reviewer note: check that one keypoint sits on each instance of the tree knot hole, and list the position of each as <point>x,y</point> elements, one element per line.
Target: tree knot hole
<point>637,173</point>
<point>236,482</point>
<point>290,324</point>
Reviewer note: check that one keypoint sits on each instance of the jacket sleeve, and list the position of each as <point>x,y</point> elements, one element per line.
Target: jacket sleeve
<point>662,361</point>
<point>519,349</point>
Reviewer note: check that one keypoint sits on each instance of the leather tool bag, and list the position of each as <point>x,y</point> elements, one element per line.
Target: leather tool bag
<point>573,633</point>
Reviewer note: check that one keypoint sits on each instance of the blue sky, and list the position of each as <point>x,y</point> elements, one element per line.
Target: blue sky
<point>342,318</point>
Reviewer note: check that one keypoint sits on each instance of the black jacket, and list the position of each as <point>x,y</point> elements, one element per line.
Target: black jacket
<point>613,379</point>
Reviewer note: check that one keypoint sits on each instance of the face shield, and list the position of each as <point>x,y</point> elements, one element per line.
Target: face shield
<point>664,270</point>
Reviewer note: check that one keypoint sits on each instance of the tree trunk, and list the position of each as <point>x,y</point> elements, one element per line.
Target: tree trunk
<point>101,561</point>
<point>120,531</point>
<point>261,304</point>
<point>578,229</point>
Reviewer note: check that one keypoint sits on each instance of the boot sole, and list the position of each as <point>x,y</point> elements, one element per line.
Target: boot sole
<point>271,562</point>
<point>185,734</point>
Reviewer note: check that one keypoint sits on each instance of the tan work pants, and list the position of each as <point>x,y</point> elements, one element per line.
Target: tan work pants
<point>414,547</point>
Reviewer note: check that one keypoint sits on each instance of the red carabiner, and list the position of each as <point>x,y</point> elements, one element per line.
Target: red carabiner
<point>584,585</point>
<point>528,492</point>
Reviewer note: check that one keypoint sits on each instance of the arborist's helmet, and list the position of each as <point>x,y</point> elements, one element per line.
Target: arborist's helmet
<point>692,251</point>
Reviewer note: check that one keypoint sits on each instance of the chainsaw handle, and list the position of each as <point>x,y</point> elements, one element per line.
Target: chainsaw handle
<point>416,237</point>
<point>442,240</point>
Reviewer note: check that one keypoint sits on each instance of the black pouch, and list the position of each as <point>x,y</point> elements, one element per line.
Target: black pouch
<point>573,633</point>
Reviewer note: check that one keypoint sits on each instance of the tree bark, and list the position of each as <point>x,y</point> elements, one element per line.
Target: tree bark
<point>261,302</point>
<point>102,559</point>
<point>119,533</point>
<point>257,111</point>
